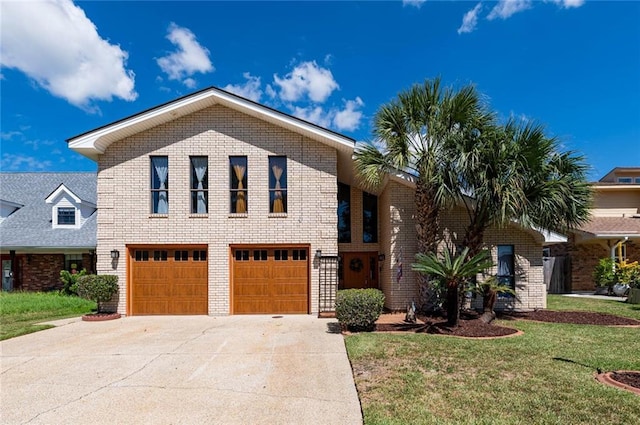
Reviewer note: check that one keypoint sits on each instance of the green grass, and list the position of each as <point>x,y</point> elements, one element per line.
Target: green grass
<point>21,311</point>
<point>613,306</point>
<point>545,376</point>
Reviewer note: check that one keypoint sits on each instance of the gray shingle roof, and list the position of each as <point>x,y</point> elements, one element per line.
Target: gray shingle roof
<point>30,226</point>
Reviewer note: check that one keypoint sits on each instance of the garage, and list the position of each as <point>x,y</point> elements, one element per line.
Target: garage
<point>168,280</point>
<point>270,280</point>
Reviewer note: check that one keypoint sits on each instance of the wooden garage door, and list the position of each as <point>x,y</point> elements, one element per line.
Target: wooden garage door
<point>272,280</point>
<point>168,280</point>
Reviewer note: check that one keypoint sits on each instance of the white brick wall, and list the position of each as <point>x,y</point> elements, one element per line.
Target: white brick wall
<point>124,197</point>
<point>399,243</point>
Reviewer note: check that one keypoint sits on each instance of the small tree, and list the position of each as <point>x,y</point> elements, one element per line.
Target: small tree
<point>604,274</point>
<point>97,288</point>
<point>454,271</point>
<point>69,280</point>
<point>489,290</point>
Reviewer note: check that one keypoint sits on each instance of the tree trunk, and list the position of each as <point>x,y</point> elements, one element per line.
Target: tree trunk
<point>488,303</point>
<point>427,221</point>
<point>473,239</point>
<point>453,308</point>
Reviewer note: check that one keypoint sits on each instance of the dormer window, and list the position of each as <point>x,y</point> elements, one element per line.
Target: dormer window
<point>66,216</point>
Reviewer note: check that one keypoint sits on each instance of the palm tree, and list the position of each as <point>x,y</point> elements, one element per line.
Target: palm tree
<point>453,271</point>
<point>412,131</point>
<point>517,173</point>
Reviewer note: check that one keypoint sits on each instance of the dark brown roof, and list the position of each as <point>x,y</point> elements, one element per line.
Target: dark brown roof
<point>616,226</point>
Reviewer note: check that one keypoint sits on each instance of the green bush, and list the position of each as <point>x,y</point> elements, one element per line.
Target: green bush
<point>604,273</point>
<point>358,309</point>
<point>98,288</point>
<point>69,281</point>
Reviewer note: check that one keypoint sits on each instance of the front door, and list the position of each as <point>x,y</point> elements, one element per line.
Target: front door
<point>359,270</point>
<point>7,276</point>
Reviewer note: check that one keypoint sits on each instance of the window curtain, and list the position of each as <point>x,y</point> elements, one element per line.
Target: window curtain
<point>278,204</point>
<point>200,167</point>
<point>161,167</point>
<point>241,205</point>
<point>505,262</point>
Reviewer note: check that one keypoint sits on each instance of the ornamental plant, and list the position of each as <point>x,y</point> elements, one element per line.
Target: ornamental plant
<point>98,288</point>
<point>358,309</point>
<point>628,273</point>
<point>604,274</point>
<point>69,281</point>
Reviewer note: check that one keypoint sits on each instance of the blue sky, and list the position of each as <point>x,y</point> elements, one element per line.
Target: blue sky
<point>69,67</point>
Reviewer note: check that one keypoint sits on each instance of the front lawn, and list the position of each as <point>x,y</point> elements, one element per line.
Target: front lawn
<point>613,306</point>
<point>20,311</point>
<point>545,376</point>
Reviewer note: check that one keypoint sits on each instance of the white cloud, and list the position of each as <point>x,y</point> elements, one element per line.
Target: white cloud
<point>346,119</point>
<point>306,80</point>
<point>349,118</point>
<point>250,89</point>
<point>470,19</point>
<point>506,8</point>
<point>270,91</point>
<point>8,135</point>
<point>567,4</point>
<point>190,57</point>
<point>11,162</point>
<point>54,43</point>
<point>414,3</point>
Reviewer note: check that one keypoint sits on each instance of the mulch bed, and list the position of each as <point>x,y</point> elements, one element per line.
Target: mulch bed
<point>628,378</point>
<point>100,317</point>
<point>576,317</point>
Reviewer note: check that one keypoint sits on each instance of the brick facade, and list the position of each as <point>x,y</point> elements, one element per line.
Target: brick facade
<point>397,218</point>
<point>41,272</point>
<point>217,132</point>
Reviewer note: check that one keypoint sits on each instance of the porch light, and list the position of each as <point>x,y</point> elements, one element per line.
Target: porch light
<point>318,253</point>
<point>115,254</point>
<point>381,257</point>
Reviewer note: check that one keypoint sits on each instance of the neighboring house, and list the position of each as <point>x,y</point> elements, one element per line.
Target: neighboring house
<point>47,224</point>
<point>615,219</point>
<point>214,204</point>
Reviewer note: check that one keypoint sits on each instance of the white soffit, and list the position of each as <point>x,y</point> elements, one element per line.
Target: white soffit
<point>94,143</point>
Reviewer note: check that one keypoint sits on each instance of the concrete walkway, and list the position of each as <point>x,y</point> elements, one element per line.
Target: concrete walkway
<point>179,370</point>
<point>590,294</point>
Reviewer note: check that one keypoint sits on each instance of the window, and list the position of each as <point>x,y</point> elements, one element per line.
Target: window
<point>73,262</point>
<point>159,255</point>
<point>199,255</point>
<point>181,255</point>
<point>141,255</point>
<point>277,184</point>
<point>620,253</point>
<point>344,213</point>
<point>299,255</point>
<point>506,266</point>
<point>281,255</point>
<point>238,189</point>
<point>637,180</point>
<point>260,255</point>
<point>66,216</point>
<point>159,185</point>
<point>242,255</point>
<point>369,218</point>
<point>199,185</point>
<point>625,180</point>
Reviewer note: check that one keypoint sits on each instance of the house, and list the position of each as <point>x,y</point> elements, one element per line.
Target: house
<point>47,224</point>
<point>214,204</point>
<point>613,231</point>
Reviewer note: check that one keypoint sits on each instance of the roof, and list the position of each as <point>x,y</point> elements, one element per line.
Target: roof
<point>95,142</point>
<point>612,227</point>
<point>30,226</point>
<point>610,176</point>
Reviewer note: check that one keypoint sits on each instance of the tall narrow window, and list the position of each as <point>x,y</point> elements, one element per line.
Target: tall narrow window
<point>277,184</point>
<point>199,185</point>
<point>66,216</point>
<point>344,213</point>
<point>369,218</point>
<point>506,266</point>
<point>238,189</point>
<point>159,185</point>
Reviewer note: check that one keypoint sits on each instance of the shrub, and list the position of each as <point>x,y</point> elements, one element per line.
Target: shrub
<point>604,273</point>
<point>69,281</point>
<point>358,309</point>
<point>628,273</point>
<point>98,288</point>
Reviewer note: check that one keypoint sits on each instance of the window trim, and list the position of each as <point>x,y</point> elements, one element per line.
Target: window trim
<point>233,173</point>
<point>153,190</point>
<point>511,277</point>
<point>625,180</point>
<point>193,186</point>
<point>282,181</point>
<point>346,190</point>
<point>66,225</point>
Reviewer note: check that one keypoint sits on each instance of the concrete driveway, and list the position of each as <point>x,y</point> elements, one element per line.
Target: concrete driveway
<point>179,370</point>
